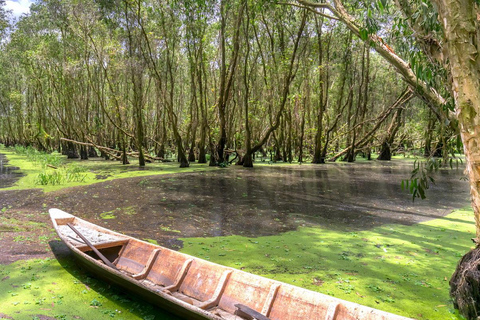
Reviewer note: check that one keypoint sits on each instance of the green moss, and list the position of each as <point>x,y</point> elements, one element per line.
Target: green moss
<point>151,241</point>
<point>12,224</point>
<point>57,288</point>
<point>168,229</point>
<point>129,211</point>
<point>396,268</point>
<point>108,215</point>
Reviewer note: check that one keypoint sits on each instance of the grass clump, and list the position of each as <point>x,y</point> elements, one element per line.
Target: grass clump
<point>396,268</point>
<point>64,174</point>
<point>39,157</point>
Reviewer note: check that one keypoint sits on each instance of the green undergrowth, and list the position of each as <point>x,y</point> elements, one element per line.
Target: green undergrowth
<point>38,171</point>
<point>396,268</point>
<point>40,288</point>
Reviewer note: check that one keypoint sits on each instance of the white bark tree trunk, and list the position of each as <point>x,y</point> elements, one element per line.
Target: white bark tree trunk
<point>460,21</point>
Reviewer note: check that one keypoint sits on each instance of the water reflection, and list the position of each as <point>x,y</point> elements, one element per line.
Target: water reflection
<point>8,175</point>
<point>268,200</point>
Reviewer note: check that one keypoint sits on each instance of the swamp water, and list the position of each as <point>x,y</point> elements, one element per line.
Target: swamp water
<point>264,200</point>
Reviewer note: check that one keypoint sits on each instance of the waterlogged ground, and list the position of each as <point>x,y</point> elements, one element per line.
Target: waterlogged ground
<point>8,174</point>
<point>265,200</point>
<point>329,228</point>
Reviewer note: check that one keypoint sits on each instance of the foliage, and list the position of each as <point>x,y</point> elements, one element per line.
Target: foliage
<point>111,73</point>
<point>422,175</point>
<point>42,158</point>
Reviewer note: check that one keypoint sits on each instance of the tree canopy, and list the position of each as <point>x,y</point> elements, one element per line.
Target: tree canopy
<point>192,79</point>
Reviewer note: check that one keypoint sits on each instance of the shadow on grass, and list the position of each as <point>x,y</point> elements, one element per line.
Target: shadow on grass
<point>117,296</point>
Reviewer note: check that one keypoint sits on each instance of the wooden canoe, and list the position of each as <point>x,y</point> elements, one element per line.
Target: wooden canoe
<point>194,288</point>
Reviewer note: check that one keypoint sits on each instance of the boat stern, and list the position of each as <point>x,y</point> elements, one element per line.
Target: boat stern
<point>60,217</point>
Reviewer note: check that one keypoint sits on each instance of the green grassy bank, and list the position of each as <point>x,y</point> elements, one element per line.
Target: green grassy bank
<point>68,173</point>
<point>400,269</point>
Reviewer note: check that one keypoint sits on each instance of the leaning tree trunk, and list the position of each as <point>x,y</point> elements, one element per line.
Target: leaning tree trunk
<point>462,32</point>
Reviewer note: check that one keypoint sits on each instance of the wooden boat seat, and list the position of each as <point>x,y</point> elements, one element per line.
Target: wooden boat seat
<point>100,240</point>
<point>135,257</point>
<point>169,269</point>
<point>213,301</point>
<point>204,283</point>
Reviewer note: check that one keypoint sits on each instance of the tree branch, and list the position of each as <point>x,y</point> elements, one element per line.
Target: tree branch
<point>428,94</point>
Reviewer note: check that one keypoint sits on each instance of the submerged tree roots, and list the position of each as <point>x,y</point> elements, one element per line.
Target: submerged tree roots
<point>465,285</point>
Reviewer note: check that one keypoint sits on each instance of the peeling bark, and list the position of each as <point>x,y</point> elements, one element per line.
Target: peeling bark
<point>462,32</point>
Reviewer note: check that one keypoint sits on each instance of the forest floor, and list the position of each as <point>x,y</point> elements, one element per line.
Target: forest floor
<point>362,247</point>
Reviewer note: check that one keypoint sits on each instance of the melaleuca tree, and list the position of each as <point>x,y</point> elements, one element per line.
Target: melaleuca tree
<point>445,50</point>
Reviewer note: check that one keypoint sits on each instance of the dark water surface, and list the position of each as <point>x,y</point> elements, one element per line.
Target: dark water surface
<point>8,175</point>
<point>264,200</point>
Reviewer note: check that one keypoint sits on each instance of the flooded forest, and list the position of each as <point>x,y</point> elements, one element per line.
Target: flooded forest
<point>329,145</point>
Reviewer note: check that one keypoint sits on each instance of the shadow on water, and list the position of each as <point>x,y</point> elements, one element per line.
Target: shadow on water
<point>263,200</point>
<point>8,175</point>
<point>111,292</point>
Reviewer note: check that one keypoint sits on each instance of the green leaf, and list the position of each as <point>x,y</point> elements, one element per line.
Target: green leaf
<point>363,34</point>
<point>421,191</point>
<point>380,6</point>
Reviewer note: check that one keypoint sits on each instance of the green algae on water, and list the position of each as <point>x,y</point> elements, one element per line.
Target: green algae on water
<point>397,268</point>
<point>32,289</point>
<point>108,215</point>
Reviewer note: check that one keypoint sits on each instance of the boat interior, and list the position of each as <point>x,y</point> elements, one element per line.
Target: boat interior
<point>225,292</point>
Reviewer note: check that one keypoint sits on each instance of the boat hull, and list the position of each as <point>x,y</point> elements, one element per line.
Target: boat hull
<point>99,272</point>
<point>192,288</point>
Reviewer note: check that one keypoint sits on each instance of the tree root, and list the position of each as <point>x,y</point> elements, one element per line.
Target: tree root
<point>465,285</point>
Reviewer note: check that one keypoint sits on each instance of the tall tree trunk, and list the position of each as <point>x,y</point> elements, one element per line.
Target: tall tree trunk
<point>462,31</point>
<point>247,160</point>
<point>427,152</point>
<point>461,28</point>
<point>285,91</point>
<point>302,132</point>
<point>323,83</point>
<point>136,76</point>
<point>227,77</point>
